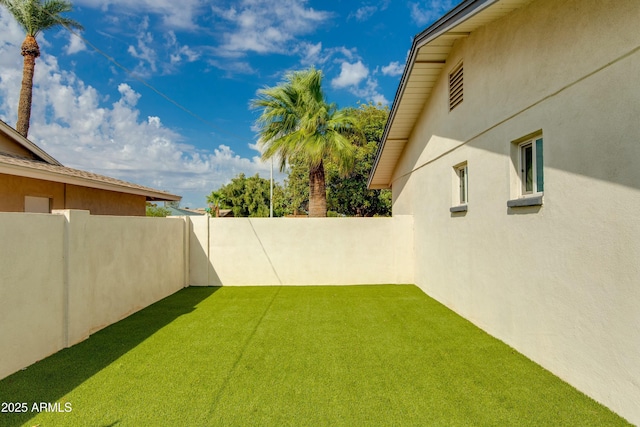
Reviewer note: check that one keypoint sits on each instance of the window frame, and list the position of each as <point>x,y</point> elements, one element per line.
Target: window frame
<point>523,168</point>
<point>528,165</point>
<point>460,187</point>
<point>462,171</point>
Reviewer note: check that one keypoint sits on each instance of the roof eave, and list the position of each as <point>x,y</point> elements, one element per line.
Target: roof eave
<point>455,17</point>
<point>24,142</point>
<point>150,194</point>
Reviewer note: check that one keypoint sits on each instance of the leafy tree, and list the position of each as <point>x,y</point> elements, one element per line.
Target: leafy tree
<point>296,187</point>
<point>248,197</point>
<point>350,196</point>
<point>158,211</point>
<point>34,17</point>
<point>297,123</point>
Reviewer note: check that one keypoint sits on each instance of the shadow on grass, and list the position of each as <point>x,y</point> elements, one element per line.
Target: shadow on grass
<point>52,378</point>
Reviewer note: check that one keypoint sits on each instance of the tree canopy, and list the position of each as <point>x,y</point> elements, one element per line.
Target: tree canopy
<point>346,196</point>
<point>349,195</point>
<point>153,209</point>
<point>297,124</point>
<point>248,197</point>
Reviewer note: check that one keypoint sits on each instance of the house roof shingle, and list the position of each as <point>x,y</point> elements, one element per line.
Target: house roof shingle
<point>43,166</point>
<point>16,165</point>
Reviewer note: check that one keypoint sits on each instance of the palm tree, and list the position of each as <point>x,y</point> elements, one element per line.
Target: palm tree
<point>297,123</point>
<point>216,198</point>
<point>34,17</point>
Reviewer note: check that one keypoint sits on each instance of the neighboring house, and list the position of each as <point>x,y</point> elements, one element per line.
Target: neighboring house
<point>33,181</point>
<point>225,213</point>
<point>514,142</point>
<point>182,212</point>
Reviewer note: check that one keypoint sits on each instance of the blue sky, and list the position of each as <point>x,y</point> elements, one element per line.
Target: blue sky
<point>210,57</point>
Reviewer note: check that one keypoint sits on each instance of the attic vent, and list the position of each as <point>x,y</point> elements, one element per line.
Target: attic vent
<point>455,87</point>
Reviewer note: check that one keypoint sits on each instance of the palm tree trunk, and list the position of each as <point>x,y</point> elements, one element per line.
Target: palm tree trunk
<point>317,192</point>
<point>30,51</point>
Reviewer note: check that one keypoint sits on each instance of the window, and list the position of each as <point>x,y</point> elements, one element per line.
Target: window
<point>461,188</point>
<point>455,87</point>
<point>531,175</point>
<point>528,162</point>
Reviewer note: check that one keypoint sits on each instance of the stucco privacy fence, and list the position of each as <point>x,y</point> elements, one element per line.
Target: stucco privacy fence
<point>67,275</point>
<point>301,251</point>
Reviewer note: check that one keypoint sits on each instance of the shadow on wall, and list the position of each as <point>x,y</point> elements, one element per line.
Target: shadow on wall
<point>52,378</point>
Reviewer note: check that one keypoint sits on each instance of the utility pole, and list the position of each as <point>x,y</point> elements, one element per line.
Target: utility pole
<point>271,192</point>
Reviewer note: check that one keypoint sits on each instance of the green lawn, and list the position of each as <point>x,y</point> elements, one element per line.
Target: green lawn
<point>296,356</point>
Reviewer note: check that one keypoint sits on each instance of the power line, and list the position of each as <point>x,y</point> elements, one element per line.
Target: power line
<point>149,86</point>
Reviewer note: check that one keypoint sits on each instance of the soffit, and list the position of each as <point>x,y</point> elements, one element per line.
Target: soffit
<point>426,62</point>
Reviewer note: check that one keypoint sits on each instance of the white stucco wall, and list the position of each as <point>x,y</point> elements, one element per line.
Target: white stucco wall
<point>559,282</point>
<point>128,262</point>
<point>303,251</point>
<point>31,298</point>
<point>65,276</point>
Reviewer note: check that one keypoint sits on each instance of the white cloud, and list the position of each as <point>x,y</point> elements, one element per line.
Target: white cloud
<point>311,53</point>
<point>369,91</point>
<point>393,69</point>
<point>427,11</point>
<point>153,56</point>
<point>355,78</point>
<point>75,44</point>
<point>350,75</point>
<point>368,10</point>
<point>364,13</point>
<point>178,53</point>
<point>315,55</point>
<point>144,51</point>
<point>71,121</point>
<point>266,26</point>
<point>174,14</point>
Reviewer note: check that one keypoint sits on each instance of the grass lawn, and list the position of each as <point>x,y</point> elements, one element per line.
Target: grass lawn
<point>296,356</point>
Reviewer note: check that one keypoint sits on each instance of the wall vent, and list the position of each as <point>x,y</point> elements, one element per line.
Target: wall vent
<point>455,87</point>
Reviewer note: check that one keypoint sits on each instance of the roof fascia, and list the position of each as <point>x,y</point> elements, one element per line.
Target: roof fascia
<point>24,142</point>
<point>84,182</point>
<point>455,17</point>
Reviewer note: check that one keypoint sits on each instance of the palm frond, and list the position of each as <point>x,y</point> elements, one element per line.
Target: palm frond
<point>34,16</point>
<point>297,121</point>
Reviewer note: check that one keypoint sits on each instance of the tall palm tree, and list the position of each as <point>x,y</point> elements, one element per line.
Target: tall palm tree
<point>34,17</point>
<point>297,123</point>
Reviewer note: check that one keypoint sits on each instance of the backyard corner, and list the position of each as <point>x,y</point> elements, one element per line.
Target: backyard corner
<point>353,355</point>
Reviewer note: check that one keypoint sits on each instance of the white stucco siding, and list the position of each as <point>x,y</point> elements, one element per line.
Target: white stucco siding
<point>557,282</point>
<point>31,303</point>
<point>67,275</point>
<point>307,251</point>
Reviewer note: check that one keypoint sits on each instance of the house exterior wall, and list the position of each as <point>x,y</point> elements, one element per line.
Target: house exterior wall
<point>103,202</point>
<point>558,282</point>
<point>301,251</point>
<point>13,190</point>
<point>67,275</point>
